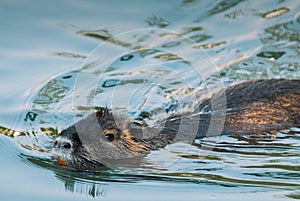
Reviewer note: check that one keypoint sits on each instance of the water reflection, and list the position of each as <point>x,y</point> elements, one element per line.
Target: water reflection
<point>155,21</point>
<point>244,40</point>
<point>269,165</point>
<point>275,13</point>
<point>81,186</point>
<point>218,8</point>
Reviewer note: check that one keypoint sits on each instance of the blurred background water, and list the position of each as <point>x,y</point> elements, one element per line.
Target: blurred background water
<point>142,59</point>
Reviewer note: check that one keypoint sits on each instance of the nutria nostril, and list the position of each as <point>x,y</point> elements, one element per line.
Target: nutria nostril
<point>66,145</point>
<point>62,144</point>
<point>55,144</point>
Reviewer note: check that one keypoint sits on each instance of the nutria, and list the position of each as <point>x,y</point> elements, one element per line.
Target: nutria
<point>252,107</point>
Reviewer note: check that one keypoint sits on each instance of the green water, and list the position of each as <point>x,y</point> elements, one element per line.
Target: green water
<point>142,59</point>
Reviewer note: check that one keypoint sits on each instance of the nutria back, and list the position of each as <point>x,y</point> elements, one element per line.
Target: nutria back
<point>257,106</point>
<point>252,107</point>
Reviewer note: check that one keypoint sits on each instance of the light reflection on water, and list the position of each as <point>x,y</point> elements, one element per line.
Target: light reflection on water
<point>243,39</point>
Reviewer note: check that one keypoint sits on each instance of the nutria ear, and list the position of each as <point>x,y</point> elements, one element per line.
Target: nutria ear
<point>103,112</point>
<point>135,130</point>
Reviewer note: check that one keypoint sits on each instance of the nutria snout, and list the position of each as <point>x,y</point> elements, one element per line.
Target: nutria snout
<point>253,107</point>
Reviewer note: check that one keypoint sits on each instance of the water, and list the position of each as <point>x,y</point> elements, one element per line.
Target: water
<point>142,59</point>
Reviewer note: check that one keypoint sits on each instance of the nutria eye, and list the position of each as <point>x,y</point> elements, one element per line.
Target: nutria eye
<point>109,137</point>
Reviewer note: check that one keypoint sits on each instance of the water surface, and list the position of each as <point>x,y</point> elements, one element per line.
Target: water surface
<point>143,60</point>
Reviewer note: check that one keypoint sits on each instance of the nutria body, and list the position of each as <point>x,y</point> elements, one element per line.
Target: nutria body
<point>252,107</point>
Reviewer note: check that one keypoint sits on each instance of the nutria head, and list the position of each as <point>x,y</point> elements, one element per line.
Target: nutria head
<point>99,139</point>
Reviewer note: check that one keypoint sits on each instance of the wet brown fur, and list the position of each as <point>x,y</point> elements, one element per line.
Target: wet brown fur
<point>259,106</point>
